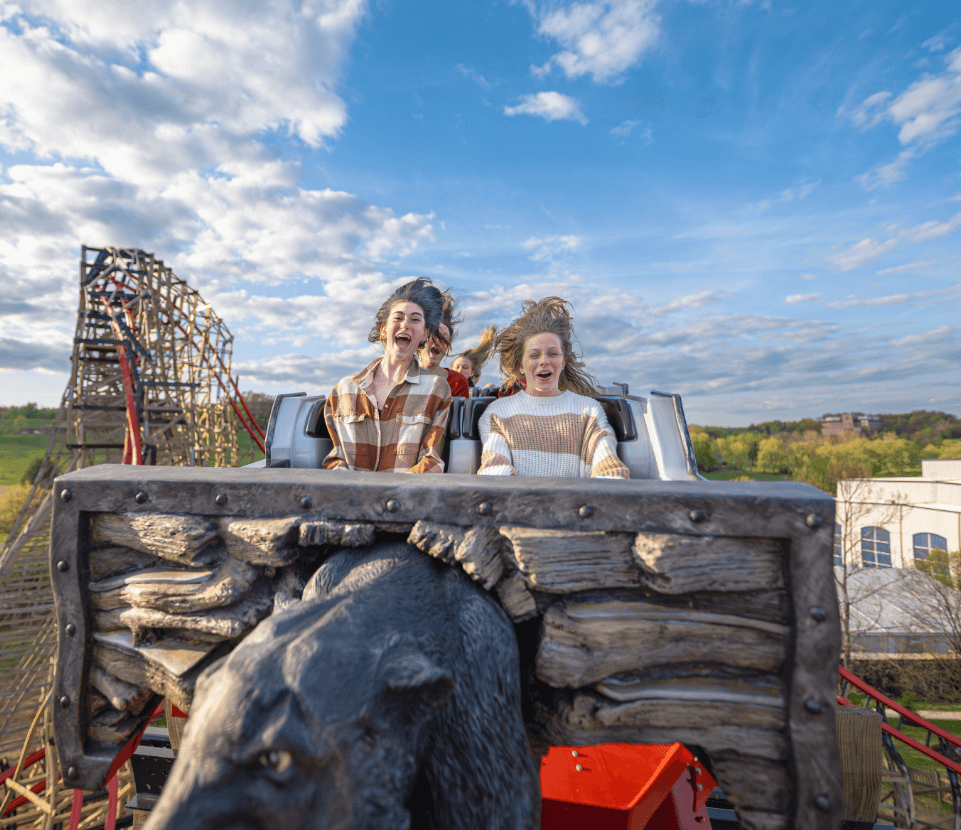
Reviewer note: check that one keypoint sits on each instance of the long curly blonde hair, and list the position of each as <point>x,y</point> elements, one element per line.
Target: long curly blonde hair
<point>551,316</point>
<point>481,353</point>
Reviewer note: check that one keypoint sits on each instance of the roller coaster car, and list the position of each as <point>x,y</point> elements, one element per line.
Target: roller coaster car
<point>663,610</point>
<point>652,436</point>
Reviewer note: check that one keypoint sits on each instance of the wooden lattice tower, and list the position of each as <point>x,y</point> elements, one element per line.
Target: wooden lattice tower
<point>150,383</point>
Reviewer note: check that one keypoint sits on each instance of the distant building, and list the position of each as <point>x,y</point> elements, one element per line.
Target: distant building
<point>849,422</point>
<point>890,524</point>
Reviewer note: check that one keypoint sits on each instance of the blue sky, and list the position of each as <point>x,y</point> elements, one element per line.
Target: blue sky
<point>756,205</point>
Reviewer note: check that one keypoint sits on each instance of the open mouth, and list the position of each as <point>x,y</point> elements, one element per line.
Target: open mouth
<point>545,375</point>
<point>402,338</point>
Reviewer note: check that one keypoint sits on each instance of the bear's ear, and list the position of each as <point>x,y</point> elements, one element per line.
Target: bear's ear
<point>417,684</point>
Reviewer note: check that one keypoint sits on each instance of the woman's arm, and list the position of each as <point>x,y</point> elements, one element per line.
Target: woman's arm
<point>496,458</point>
<point>428,457</point>
<point>336,459</point>
<point>602,447</point>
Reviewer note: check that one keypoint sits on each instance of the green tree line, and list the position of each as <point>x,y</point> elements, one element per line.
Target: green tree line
<point>822,460</point>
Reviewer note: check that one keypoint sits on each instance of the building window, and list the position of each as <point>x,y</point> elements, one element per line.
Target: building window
<point>875,547</point>
<point>925,544</point>
<point>838,555</point>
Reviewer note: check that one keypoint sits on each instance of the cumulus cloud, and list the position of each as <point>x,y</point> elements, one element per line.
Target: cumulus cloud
<point>152,132</point>
<point>546,249</point>
<point>551,106</point>
<point>602,39</point>
<point>927,112</point>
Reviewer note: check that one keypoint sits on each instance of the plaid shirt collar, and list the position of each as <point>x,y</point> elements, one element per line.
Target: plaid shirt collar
<point>366,377</point>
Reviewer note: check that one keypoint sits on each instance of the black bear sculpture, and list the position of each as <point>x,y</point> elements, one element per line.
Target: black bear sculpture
<point>389,697</point>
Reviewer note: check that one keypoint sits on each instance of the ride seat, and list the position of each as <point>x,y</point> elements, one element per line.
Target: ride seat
<point>617,410</point>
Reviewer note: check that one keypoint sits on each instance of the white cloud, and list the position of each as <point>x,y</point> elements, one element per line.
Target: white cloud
<point>882,175</point>
<point>552,106</point>
<point>624,129</point>
<point>551,246</point>
<point>918,297</point>
<point>794,299</point>
<point>809,276</point>
<point>476,77</point>
<point>927,112</point>
<point>861,253</point>
<point>933,230</point>
<point>602,39</point>
<point>911,266</point>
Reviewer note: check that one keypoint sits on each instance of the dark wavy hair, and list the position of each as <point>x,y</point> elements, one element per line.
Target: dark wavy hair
<point>422,292</point>
<point>550,316</point>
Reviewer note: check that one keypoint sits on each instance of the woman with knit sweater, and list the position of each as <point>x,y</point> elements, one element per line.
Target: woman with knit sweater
<point>553,427</point>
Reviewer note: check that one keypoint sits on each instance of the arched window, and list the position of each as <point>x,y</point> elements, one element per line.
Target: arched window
<point>924,544</point>
<point>838,554</point>
<point>875,547</point>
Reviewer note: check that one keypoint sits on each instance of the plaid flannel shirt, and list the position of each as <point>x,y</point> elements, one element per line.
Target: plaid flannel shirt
<point>405,437</point>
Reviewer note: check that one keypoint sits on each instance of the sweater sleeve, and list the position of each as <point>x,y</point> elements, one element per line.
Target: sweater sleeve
<point>602,447</point>
<point>496,457</point>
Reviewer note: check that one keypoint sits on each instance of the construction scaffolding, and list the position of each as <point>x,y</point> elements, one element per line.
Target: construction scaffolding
<point>150,383</point>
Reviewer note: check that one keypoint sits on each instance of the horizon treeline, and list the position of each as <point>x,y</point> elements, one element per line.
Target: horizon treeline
<point>799,450</point>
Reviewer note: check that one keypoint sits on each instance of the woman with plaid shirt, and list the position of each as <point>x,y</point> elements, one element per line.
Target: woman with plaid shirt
<point>392,416</point>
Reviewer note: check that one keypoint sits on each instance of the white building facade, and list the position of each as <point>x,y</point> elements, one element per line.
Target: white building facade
<point>893,522</point>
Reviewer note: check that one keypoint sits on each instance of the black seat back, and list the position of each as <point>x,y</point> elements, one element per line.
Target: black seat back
<point>619,416</point>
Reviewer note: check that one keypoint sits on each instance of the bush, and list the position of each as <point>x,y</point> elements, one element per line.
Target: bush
<point>31,472</point>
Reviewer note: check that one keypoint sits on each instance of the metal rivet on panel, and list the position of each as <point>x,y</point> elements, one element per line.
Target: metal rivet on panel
<point>485,508</point>
<point>63,566</point>
<point>305,502</point>
<point>575,753</point>
<point>823,803</point>
<point>141,497</point>
<point>221,499</point>
<point>697,515</point>
<point>64,701</point>
<point>393,506</point>
<point>818,614</point>
<point>65,495</point>
<point>586,511</point>
<point>813,520</point>
<point>73,773</point>
<point>578,767</point>
<point>70,628</point>
<point>814,706</point>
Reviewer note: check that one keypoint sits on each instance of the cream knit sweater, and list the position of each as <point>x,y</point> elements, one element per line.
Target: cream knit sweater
<point>567,435</point>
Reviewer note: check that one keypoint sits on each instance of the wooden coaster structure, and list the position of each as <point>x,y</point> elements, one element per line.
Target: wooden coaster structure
<point>150,383</point>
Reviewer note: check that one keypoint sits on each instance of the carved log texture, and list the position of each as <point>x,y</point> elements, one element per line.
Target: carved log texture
<point>176,591</point>
<point>563,562</point>
<point>218,624</point>
<point>436,540</point>
<point>673,563</point>
<point>120,695</point>
<point>481,554</point>
<point>339,534</point>
<point>516,600</point>
<point>584,642</point>
<point>262,541</point>
<point>587,719</point>
<point>480,551</point>
<point>184,539</point>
